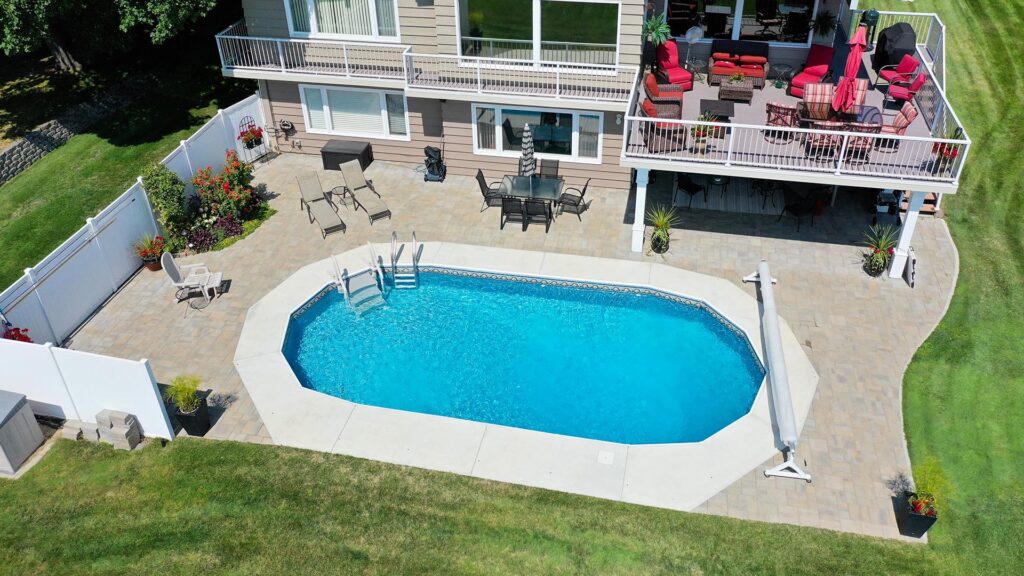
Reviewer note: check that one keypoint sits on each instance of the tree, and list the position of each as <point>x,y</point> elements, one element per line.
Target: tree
<point>28,25</point>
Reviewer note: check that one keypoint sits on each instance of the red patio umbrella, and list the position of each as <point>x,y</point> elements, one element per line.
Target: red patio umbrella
<point>844,96</point>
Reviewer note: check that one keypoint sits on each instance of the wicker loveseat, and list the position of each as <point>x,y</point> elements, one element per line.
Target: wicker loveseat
<point>746,57</point>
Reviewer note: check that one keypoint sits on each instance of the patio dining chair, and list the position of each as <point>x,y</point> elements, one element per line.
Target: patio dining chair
<point>490,192</point>
<point>900,122</point>
<point>572,200</point>
<point>686,184</point>
<point>782,116</point>
<point>904,91</point>
<point>196,277</point>
<point>858,148</point>
<point>363,193</point>
<point>817,101</point>
<point>512,211</point>
<point>821,144</point>
<point>549,168</point>
<point>535,209</point>
<point>902,72</point>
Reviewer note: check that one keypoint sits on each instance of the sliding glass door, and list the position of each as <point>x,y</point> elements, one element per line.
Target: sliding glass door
<point>570,31</point>
<point>355,19</point>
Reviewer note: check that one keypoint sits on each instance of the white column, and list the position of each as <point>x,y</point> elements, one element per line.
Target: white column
<point>737,20</point>
<point>899,260</point>
<point>640,209</point>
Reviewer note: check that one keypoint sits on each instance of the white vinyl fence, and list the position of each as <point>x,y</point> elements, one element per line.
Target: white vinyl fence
<point>77,385</point>
<point>58,294</point>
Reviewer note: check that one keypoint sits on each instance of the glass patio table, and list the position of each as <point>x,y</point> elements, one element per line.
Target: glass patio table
<point>532,187</point>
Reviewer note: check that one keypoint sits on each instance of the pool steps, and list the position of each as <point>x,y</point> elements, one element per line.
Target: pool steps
<point>408,276</point>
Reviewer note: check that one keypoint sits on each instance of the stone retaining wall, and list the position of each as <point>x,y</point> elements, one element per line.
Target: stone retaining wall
<point>51,135</point>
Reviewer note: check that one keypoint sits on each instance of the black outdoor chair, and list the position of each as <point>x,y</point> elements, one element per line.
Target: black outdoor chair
<point>510,134</point>
<point>768,17</point>
<point>572,199</point>
<point>512,210</point>
<point>549,168</point>
<point>798,205</point>
<point>489,191</point>
<point>537,209</point>
<point>687,185</point>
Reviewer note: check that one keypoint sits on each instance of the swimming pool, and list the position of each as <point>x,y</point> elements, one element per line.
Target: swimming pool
<point>609,363</point>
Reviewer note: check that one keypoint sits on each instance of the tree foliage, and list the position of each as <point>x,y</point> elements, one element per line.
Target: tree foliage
<point>95,28</point>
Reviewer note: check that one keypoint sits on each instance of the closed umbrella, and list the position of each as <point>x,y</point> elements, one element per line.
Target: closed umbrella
<point>528,164</point>
<point>845,90</point>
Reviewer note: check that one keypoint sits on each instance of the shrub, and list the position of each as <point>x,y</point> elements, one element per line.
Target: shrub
<point>167,193</point>
<point>13,333</point>
<point>881,243</point>
<point>228,226</point>
<point>183,393</point>
<point>201,239</point>
<point>149,248</point>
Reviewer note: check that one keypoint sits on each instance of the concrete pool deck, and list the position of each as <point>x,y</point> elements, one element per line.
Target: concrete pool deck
<point>678,476</point>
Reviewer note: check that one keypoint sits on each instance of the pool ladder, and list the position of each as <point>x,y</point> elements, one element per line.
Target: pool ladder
<point>408,276</point>
<point>363,290</point>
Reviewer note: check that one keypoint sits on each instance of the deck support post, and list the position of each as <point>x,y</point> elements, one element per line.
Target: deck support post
<point>640,209</point>
<point>899,260</point>
<point>737,21</point>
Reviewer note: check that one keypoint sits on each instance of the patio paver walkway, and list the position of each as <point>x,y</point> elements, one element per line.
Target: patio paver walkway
<point>859,332</point>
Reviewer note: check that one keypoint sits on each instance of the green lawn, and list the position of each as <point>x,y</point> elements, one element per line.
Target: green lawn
<point>199,506</point>
<point>964,393</point>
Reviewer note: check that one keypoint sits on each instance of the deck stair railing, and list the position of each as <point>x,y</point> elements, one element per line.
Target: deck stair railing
<point>404,277</point>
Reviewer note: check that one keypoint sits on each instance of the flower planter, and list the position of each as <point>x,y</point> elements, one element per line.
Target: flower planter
<point>659,246</point>
<point>700,145</point>
<point>196,423</point>
<point>254,143</point>
<point>152,265</point>
<point>912,523</point>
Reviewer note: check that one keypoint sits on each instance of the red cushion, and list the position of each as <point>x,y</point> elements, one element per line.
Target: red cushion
<point>818,70</point>
<point>649,109</point>
<point>668,55</point>
<point>751,67</point>
<point>652,85</point>
<point>899,92</point>
<point>681,77</point>
<point>819,54</point>
<point>802,79</point>
<point>724,65</point>
<point>721,56</point>
<point>753,60</point>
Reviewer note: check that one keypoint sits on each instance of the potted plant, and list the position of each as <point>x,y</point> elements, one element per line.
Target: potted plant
<point>917,509</point>
<point>701,132</point>
<point>655,32</point>
<point>190,406</point>
<point>11,332</point>
<point>881,243</point>
<point>662,218</point>
<point>736,78</point>
<point>149,249</point>
<point>251,137</point>
<point>946,152</point>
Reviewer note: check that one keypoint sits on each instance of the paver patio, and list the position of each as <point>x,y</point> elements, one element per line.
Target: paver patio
<point>859,332</point>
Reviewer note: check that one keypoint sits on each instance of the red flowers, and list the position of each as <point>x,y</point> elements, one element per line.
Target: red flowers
<point>948,151</point>
<point>16,334</point>
<point>251,136</point>
<point>150,248</point>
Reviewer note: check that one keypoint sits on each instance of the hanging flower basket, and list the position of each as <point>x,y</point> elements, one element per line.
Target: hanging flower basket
<point>251,137</point>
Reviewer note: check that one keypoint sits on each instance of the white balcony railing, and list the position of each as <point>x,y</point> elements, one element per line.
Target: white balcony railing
<point>796,149</point>
<point>517,77</point>
<point>238,50</point>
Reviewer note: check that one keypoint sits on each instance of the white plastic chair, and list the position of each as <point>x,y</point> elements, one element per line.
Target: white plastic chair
<point>196,276</point>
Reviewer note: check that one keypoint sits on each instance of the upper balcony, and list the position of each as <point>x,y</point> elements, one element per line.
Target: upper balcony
<point>929,156</point>
<point>458,77</point>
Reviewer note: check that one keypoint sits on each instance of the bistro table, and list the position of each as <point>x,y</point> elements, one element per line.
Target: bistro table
<point>723,110</point>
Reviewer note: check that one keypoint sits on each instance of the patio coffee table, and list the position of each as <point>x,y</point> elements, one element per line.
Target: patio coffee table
<point>741,91</point>
<point>719,108</point>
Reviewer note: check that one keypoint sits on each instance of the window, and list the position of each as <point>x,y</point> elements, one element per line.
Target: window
<point>556,133</point>
<point>355,112</point>
<point>785,21</point>
<point>359,19</point>
<point>573,31</point>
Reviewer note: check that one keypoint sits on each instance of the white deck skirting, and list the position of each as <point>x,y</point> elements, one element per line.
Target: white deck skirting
<point>676,476</point>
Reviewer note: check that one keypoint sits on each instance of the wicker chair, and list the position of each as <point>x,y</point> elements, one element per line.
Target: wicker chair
<point>667,98</point>
<point>661,137</point>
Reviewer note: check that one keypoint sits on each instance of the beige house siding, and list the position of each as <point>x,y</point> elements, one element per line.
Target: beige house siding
<point>631,22</point>
<point>417,25</point>
<point>266,18</point>
<point>447,31</point>
<point>428,120</point>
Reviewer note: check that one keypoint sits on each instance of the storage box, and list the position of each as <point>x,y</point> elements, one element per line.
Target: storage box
<point>19,432</point>
<point>337,152</point>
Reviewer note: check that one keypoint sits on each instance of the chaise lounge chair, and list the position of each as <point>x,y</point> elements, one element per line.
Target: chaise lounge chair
<point>318,208</point>
<point>363,193</point>
<point>197,277</point>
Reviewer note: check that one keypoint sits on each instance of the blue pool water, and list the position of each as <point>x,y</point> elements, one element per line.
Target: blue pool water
<point>622,367</point>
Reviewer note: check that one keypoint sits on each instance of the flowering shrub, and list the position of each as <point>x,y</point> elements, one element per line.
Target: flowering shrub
<point>251,136</point>
<point>227,226</point>
<point>922,503</point>
<point>201,239</point>
<point>150,248</point>
<point>16,334</point>
<point>228,193</point>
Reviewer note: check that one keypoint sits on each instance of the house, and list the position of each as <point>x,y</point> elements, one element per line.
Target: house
<point>404,74</point>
